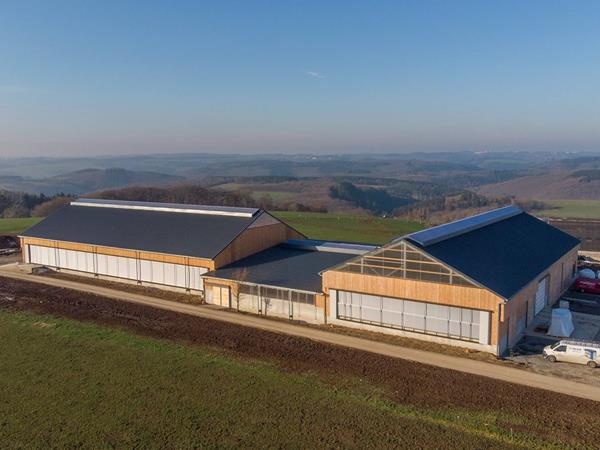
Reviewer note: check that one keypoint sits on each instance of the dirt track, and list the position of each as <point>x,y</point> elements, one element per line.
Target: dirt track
<point>564,417</point>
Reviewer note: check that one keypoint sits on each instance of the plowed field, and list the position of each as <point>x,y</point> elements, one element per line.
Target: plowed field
<point>545,417</point>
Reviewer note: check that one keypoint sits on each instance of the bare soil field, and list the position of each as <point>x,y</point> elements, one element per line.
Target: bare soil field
<point>558,418</point>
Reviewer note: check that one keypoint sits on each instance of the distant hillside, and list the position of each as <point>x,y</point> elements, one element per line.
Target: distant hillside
<point>563,185</point>
<point>85,181</point>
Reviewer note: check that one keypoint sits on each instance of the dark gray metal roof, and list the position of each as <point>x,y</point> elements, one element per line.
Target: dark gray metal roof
<point>284,266</point>
<point>195,235</point>
<point>506,255</point>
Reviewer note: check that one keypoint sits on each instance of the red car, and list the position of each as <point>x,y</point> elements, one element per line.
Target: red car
<point>589,285</point>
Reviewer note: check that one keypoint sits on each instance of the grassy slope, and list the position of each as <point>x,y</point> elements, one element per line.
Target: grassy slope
<point>68,384</point>
<point>346,227</point>
<point>584,209</point>
<point>16,226</point>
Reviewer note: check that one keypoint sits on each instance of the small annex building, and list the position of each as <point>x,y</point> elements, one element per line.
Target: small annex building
<point>284,280</point>
<point>162,244</point>
<point>476,282</point>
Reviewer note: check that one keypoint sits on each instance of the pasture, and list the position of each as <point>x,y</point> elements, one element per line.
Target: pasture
<point>16,226</point>
<point>572,209</point>
<point>347,227</point>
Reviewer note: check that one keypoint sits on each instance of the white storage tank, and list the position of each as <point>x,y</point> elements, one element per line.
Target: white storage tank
<point>587,273</point>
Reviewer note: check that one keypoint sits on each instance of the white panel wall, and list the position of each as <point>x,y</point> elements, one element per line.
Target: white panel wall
<point>248,302</point>
<point>43,255</point>
<point>196,281</point>
<point>158,273</point>
<point>430,318</point>
<point>102,264</point>
<point>181,275</point>
<point>145,270</point>
<point>116,266</point>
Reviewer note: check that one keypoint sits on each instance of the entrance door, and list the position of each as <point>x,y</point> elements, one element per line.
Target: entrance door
<point>218,295</point>
<point>541,296</point>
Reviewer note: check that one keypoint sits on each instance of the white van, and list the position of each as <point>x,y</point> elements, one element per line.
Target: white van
<point>579,352</point>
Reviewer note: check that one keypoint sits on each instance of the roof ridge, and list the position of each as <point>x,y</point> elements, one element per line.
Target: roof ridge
<point>465,225</point>
<point>168,207</point>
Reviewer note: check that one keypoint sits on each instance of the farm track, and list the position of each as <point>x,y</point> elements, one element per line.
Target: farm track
<point>563,418</point>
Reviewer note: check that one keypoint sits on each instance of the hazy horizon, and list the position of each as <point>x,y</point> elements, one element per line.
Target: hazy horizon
<point>124,78</point>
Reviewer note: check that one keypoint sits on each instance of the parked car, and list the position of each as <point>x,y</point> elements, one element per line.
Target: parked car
<point>589,285</point>
<point>578,352</point>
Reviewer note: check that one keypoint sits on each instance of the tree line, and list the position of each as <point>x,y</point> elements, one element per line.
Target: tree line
<point>20,204</point>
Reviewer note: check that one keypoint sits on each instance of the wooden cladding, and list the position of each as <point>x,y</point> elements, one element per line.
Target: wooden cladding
<point>523,303</point>
<point>254,240</point>
<point>463,296</point>
<point>149,256</point>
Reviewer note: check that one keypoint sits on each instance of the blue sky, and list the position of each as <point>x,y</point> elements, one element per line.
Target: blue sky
<point>86,77</point>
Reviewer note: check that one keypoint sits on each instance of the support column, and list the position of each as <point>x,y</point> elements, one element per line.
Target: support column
<point>333,303</point>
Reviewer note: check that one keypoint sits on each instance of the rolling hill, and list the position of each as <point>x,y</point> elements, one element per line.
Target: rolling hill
<point>85,181</point>
<point>559,185</point>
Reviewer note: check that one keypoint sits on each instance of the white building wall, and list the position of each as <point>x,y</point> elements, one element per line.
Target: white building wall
<point>348,308</point>
<point>177,275</point>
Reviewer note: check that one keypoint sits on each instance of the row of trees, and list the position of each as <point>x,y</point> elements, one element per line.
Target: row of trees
<point>378,201</point>
<point>19,204</point>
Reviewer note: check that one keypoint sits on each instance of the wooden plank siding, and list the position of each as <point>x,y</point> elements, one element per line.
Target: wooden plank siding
<point>253,240</point>
<point>149,256</point>
<point>523,302</point>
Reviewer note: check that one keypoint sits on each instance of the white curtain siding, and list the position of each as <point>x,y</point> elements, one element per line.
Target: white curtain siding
<point>276,306</point>
<point>195,277</point>
<point>42,255</point>
<point>277,302</point>
<point>117,266</point>
<point>439,320</point>
<point>248,302</point>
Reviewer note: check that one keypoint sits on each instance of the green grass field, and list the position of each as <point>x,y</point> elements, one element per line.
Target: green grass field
<point>346,227</point>
<point>577,209</point>
<point>68,384</point>
<point>16,226</point>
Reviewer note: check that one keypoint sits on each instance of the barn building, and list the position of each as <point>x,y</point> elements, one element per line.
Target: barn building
<point>168,245</point>
<point>476,282</point>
